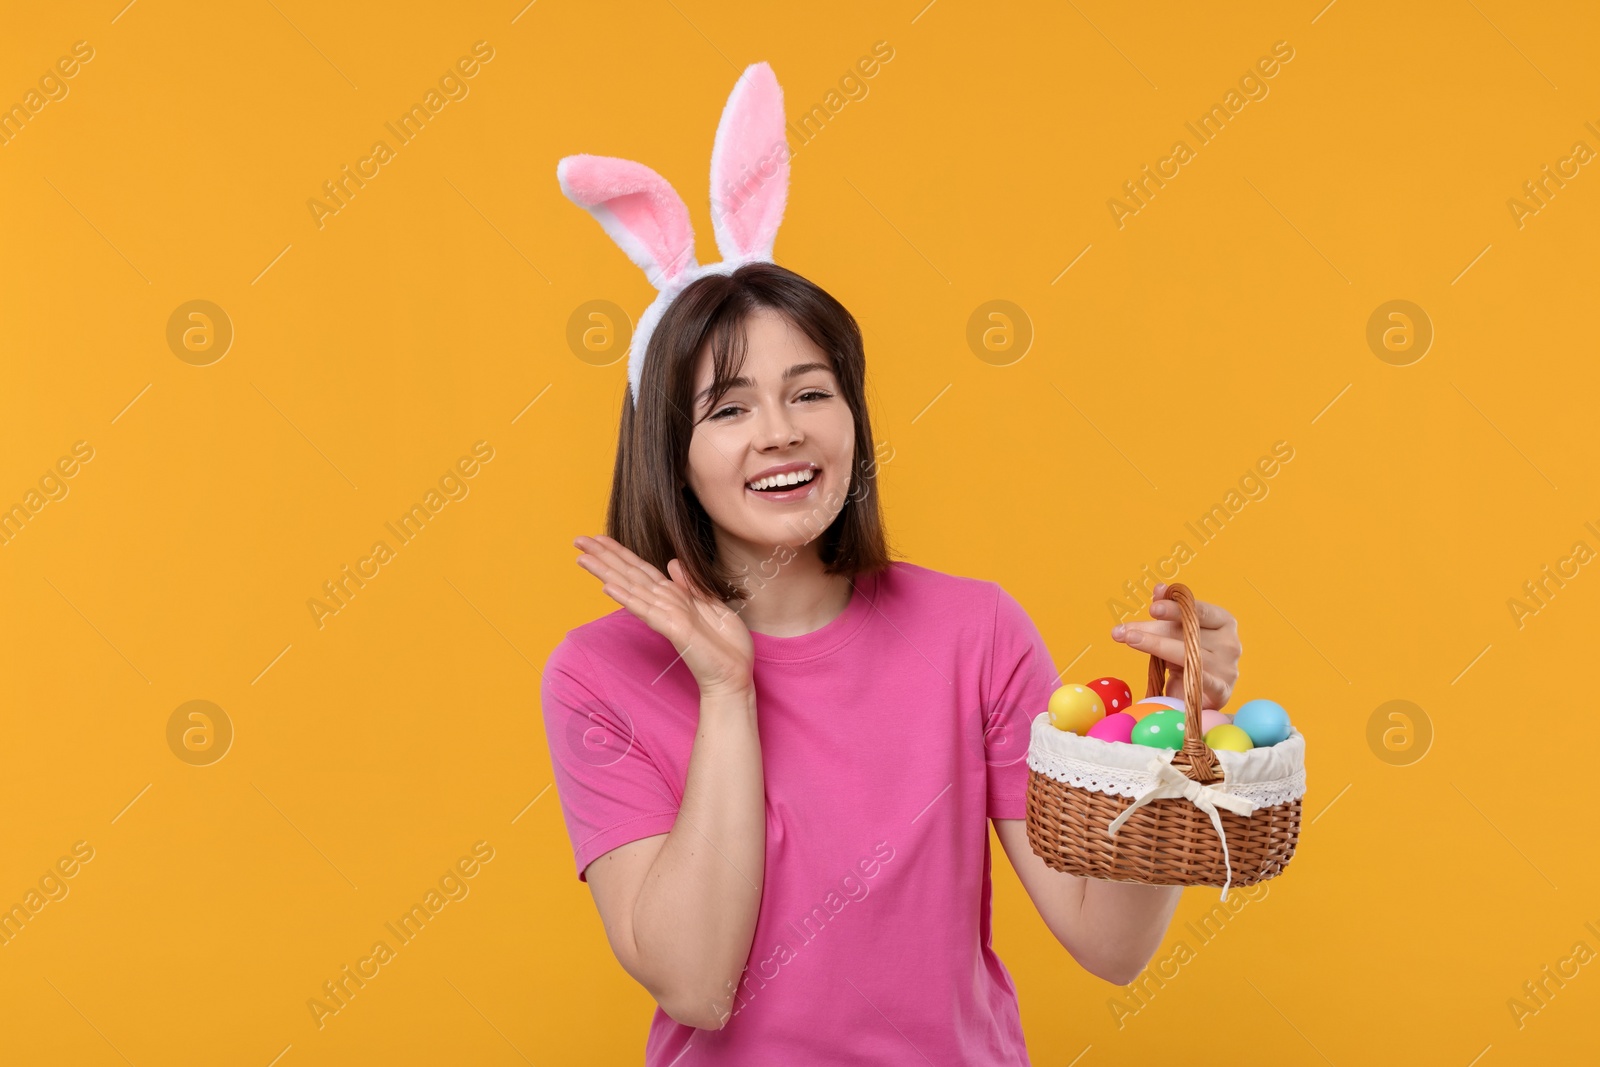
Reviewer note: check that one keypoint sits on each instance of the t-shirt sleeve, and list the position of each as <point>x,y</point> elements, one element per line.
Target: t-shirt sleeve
<point>612,791</point>
<point>1021,678</point>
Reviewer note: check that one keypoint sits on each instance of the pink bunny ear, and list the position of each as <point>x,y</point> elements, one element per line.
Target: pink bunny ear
<point>750,167</point>
<point>639,209</point>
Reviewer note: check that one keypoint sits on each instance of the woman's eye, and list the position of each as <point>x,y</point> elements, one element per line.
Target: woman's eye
<point>725,411</point>
<point>818,393</point>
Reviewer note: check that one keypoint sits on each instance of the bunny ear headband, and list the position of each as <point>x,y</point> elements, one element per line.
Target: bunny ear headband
<point>648,220</point>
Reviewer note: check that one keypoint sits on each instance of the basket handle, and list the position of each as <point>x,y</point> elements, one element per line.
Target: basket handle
<point>1195,759</point>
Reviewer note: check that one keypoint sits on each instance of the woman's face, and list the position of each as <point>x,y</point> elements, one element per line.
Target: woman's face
<point>786,415</point>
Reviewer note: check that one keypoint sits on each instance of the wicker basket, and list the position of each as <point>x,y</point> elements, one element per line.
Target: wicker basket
<point>1198,817</point>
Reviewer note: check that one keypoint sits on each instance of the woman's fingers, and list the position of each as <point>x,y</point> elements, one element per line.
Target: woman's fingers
<point>681,583</point>
<point>1162,639</point>
<point>618,557</point>
<point>1168,623</point>
<point>603,548</point>
<point>626,557</point>
<point>1218,643</point>
<point>1211,689</point>
<point>614,582</point>
<point>1211,616</point>
<point>642,590</point>
<point>709,636</point>
<point>1156,642</point>
<point>607,566</point>
<point>625,597</point>
<point>630,558</point>
<point>652,610</point>
<point>603,568</point>
<point>1215,691</point>
<point>1140,635</point>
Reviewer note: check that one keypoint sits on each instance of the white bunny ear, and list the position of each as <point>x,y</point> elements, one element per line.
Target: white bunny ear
<point>639,209</point>
<point>750,167</point>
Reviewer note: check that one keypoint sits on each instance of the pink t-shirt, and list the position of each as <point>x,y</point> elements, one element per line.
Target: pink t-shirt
<point>889,737</point>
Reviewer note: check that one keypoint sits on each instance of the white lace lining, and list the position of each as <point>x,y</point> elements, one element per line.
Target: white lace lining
<point>1268,776</point>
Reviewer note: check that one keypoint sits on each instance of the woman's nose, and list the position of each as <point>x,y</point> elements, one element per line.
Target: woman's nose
<point>776,427</point>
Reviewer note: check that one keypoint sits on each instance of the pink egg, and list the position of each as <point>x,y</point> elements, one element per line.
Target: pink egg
<point>1209,718</point>
<point>1117,727</point>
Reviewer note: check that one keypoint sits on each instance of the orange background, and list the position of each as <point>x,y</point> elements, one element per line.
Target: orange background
<point>368,354</point>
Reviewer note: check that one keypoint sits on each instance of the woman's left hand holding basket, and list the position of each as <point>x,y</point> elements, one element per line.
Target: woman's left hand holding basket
<point>1219,646</point>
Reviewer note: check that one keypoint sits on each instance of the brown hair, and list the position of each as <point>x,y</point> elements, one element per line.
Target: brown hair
<point>652,511</point>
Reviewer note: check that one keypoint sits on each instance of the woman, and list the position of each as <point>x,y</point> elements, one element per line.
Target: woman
<point>778,758</point>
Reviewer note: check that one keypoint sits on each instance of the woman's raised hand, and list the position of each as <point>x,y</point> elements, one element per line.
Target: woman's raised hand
<point>710,637</point>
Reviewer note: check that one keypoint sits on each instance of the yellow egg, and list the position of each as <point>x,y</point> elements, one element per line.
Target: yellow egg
<point>1075,708</point>
<point>1229,738</point>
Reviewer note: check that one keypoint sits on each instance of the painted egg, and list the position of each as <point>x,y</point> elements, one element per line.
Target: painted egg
<point>1116,727</point>
<point>1075,708</point>
<point>1209,718</point>
<point>1161,729</point>
<point>1171,702</point>
<point>1146,707</point>
<point>1229,738</point>
<point>1113,693</point>
<point>1264,720</point>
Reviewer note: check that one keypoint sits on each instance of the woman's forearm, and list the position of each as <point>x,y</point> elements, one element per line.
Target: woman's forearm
<point>1124,923</point>
<point>695,917</point>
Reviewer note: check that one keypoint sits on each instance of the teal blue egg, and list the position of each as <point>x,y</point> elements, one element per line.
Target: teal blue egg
<point>1264,720</point>
<point>1160,729</point>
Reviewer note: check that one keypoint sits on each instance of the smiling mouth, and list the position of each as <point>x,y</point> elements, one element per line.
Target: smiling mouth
<point>781,485</point>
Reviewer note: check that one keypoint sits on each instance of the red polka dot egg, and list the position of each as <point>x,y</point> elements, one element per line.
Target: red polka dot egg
<point>1113,693</point>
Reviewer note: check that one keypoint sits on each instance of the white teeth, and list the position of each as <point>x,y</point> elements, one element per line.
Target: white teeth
<point>792,478</point>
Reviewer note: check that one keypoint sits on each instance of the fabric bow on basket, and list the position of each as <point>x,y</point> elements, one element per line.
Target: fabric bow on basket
<point>1172,782</point>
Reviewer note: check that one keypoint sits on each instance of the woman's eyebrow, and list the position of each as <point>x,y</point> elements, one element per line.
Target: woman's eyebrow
<point>742,382</point>
<point>733,383</point>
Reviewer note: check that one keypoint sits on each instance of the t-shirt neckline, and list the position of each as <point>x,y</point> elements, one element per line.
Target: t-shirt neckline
<point>828,637</point>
